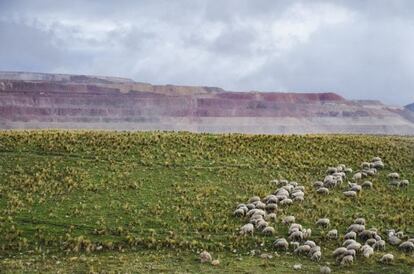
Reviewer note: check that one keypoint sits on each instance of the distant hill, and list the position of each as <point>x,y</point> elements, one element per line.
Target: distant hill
<point>41,100</point>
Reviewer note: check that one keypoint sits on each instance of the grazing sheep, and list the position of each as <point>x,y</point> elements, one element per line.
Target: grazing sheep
<point>393,176</point>
<point>348,170</point>
<point>296,236</point>
<point>281,244</point>
<point>406,246</point>
<point>260,205</point>
<point>282,192</point>
<point>288,220</point>
<point>323,222</point>
<point>350,235</point>
<point>322,191</point>
<point>271,207</point>
<point>297,267</point>
<point>387,258</point>
<point>317,184</point>
<point>307,233</point>
<point>239,212</point>
<point>271,217</point>
<point>298,199</point>
<point>404,183</point>
<point>254,199</point>
<point>281,183</point>
<point>310,243</point>
<point>378,165</point>
<point>356,188</point>
<point>348,242</point>
<point>271,199</point>
<point>301,188</point>
<point>357,228</point>
<point>367,234</point>
<point>366,184</point>
<point>297,194</point>
<point>357,176</point>
<point>205,257</point>
<point>367,251</point>
<point>350,194</point>
<point>371,171</point>
<point>295,226</point>
<point>332,234</point>
<point>411,240</point>
<point>316,256</point>
<point>370,242</point>
<point>347,260</point>
<point>379,245</point>
<point>355,246</point>
<point>365,165</point>
<point>247,229</point>
<point>294,245</point>
<point>394,240</point>
<point>250,206</point>
<point>303,249</point>
<point>394,183</point>
<point>325,270</point>
<point>376,159</point>
<point>286,202</point>
<point>314,249</point>
<point>339,251</point>
<point>262,224</point>
<point>268,231</point>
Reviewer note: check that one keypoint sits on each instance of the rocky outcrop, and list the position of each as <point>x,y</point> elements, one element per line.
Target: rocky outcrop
<point>410,107</point>
<point>36,100</point>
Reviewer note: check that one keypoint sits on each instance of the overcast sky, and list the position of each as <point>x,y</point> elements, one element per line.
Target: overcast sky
<point>359,49</point>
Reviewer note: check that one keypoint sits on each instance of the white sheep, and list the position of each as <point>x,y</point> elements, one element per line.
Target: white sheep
<point>367,251</point>
<point>294,245</point>
<point>379,245</point>
<point>387,258</point>
<point>281,244</point>
<point>205,257</point>
<point>323,191</point>
<point>370,242</point>
<point>324,222</point>
<point>296,236</point>
<point>355,187</point>
<point>286,202</point>
<point>262,224</point>
<point>393,176</point>
<point>348,242</point>
<point>310,243</point>
<point>260,205</point>
<point>339,251</point>
<point>332,234</point>
<point>271,207</point>
<point>316,256</point>
<point>295,227</point>
<point>254,199</point>
<point>357,176</point>
<point>406,246</point>
<point>394,240</point>
<point>350,235</point>
<point>271,217</point>
<point>355,246</point>
<point>350,194</point>
<point>404,183</point>
<point>317,184</point>
<point>307,233</point>
<point>247,229</point>
<point>268,231</point>
<point>288,220</point>
<point>347,260</point>
<point>303,249</point>
<point>314,249</point>
<point>239,212</point>
<point>298,199</point>
<point>325,270</point>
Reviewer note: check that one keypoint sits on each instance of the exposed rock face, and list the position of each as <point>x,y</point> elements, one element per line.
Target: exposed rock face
<point>35,100</point>
<point>410,107</point>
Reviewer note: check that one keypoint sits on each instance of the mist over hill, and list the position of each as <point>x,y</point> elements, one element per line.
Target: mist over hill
<point>40,100</point>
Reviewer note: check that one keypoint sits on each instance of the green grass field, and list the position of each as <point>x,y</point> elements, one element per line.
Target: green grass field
<point>74,201</point>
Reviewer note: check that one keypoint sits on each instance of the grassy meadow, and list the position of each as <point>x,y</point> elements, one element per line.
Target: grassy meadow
<point>103,202</point>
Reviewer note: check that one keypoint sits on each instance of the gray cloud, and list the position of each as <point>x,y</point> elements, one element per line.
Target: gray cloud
<point>360,49</point>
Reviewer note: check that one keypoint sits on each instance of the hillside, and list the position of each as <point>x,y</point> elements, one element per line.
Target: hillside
<point>38,100</point>
<point>151,201</point>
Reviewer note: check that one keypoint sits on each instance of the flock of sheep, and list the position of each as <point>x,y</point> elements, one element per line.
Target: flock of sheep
<point>357,241</point>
